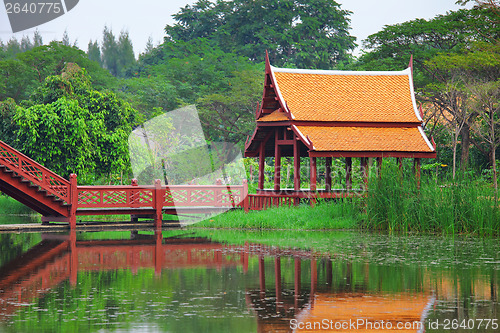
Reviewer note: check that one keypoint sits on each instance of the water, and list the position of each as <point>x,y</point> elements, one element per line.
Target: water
<point>229,281</point>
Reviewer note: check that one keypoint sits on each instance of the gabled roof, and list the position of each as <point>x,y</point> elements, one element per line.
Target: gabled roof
<point>316,95</point>
<point>343,113</point>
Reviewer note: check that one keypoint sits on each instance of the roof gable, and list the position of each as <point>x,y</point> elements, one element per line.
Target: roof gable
<point>313,95</point>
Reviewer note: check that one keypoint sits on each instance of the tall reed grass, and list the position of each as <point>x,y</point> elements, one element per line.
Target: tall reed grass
<point>464,205</point>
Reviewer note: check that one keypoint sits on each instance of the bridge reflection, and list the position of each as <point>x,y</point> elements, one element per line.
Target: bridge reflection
<point>288,286</point>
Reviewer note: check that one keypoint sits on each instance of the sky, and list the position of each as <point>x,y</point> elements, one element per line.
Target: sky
<point>147,18</point>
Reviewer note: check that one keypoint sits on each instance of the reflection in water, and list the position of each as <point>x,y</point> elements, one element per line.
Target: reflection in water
<point>192,284</point>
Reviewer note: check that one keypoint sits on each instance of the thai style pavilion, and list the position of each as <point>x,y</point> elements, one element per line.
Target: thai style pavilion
<point>331,114</point>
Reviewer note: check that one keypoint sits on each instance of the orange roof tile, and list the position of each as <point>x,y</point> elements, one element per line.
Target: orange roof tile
<point>347,96</point>
<point>399,139</point>
<point>274,116</point>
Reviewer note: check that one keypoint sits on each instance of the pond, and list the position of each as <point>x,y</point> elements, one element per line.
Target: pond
<point>236,281</point>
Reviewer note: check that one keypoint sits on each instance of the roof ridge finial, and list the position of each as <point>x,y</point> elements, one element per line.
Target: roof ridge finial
<point>268,63</point>
<point>410,65</point>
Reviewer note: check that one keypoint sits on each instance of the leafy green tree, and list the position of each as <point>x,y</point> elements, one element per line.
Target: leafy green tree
<point>16,80</point>
<point>8,128</point>
<point>27,70</point>
<point>229,115</point>
<point>301,33</point>
<point>150,95</point>
<point>56,135</point>
<point>108,121</point>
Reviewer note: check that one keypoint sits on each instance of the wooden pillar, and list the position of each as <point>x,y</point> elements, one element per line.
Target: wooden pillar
<point>297,284</point>
<point>314,277</point>
<point>296,164</point>
<point>296,167</point>
<point>329,273</point>
<point>262,158</point>
<point>262,275</point>
<point>348,169</point>
<point>364,170</point>
<point>416,166</point>
<point>379,167</point>
<point>328,174</point>
<point>246,251</point>
<point>314,173</point>
<point>277,280</point>
<point>277,164</point>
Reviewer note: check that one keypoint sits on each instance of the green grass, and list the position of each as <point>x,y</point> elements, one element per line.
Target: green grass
<point>325,215</point>
<point>465,205</point>
<point>11,206</point>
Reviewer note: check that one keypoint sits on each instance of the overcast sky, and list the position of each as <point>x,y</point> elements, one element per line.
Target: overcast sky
<point>147,18</point>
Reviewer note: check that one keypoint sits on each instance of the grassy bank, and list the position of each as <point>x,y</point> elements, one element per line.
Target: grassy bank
<point>11,206</point>
<point>393,203</point>
<point>325,215</point>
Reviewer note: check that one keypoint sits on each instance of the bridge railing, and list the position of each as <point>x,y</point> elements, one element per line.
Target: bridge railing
<point>134,196</point>
<point>34,172</point>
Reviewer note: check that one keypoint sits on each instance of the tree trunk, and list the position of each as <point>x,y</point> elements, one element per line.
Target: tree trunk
<point>465,134</point>
<point>493,157</point>
<point>454,157</point>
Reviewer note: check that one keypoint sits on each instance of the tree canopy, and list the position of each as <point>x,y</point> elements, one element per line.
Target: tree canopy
<point>301,33</point>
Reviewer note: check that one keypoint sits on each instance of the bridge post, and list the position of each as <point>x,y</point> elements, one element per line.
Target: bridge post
<point>158,205</point>
<point>245,196</point>
<point>134,218</point>
<point>73,198</point>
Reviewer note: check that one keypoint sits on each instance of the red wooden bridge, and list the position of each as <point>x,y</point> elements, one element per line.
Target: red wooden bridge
<point>60,200</point>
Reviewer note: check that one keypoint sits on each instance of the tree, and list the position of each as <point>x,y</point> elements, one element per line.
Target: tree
<point>13,48</point>
<point>56,135</point>
<point>37,39</point>
<point>47,60</point>
<point>108,121</point>
<point>109,51</point>
<point>117,56</point>
<point>26,44</point>
<point>126,53</point>
<point>486,102</point>
<point>94,52</point>
<point>229,115</point>
<point>302,33</point>
<point>432,43</point>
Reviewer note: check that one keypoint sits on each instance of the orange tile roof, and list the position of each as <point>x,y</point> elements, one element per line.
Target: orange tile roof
<point>407,309</point>
<point>347,96</point>
<point>274,116</point>
<point>399,139</point>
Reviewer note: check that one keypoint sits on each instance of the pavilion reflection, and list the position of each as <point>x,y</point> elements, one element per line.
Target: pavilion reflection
<point>316,305</point>
<point>285,285</point>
